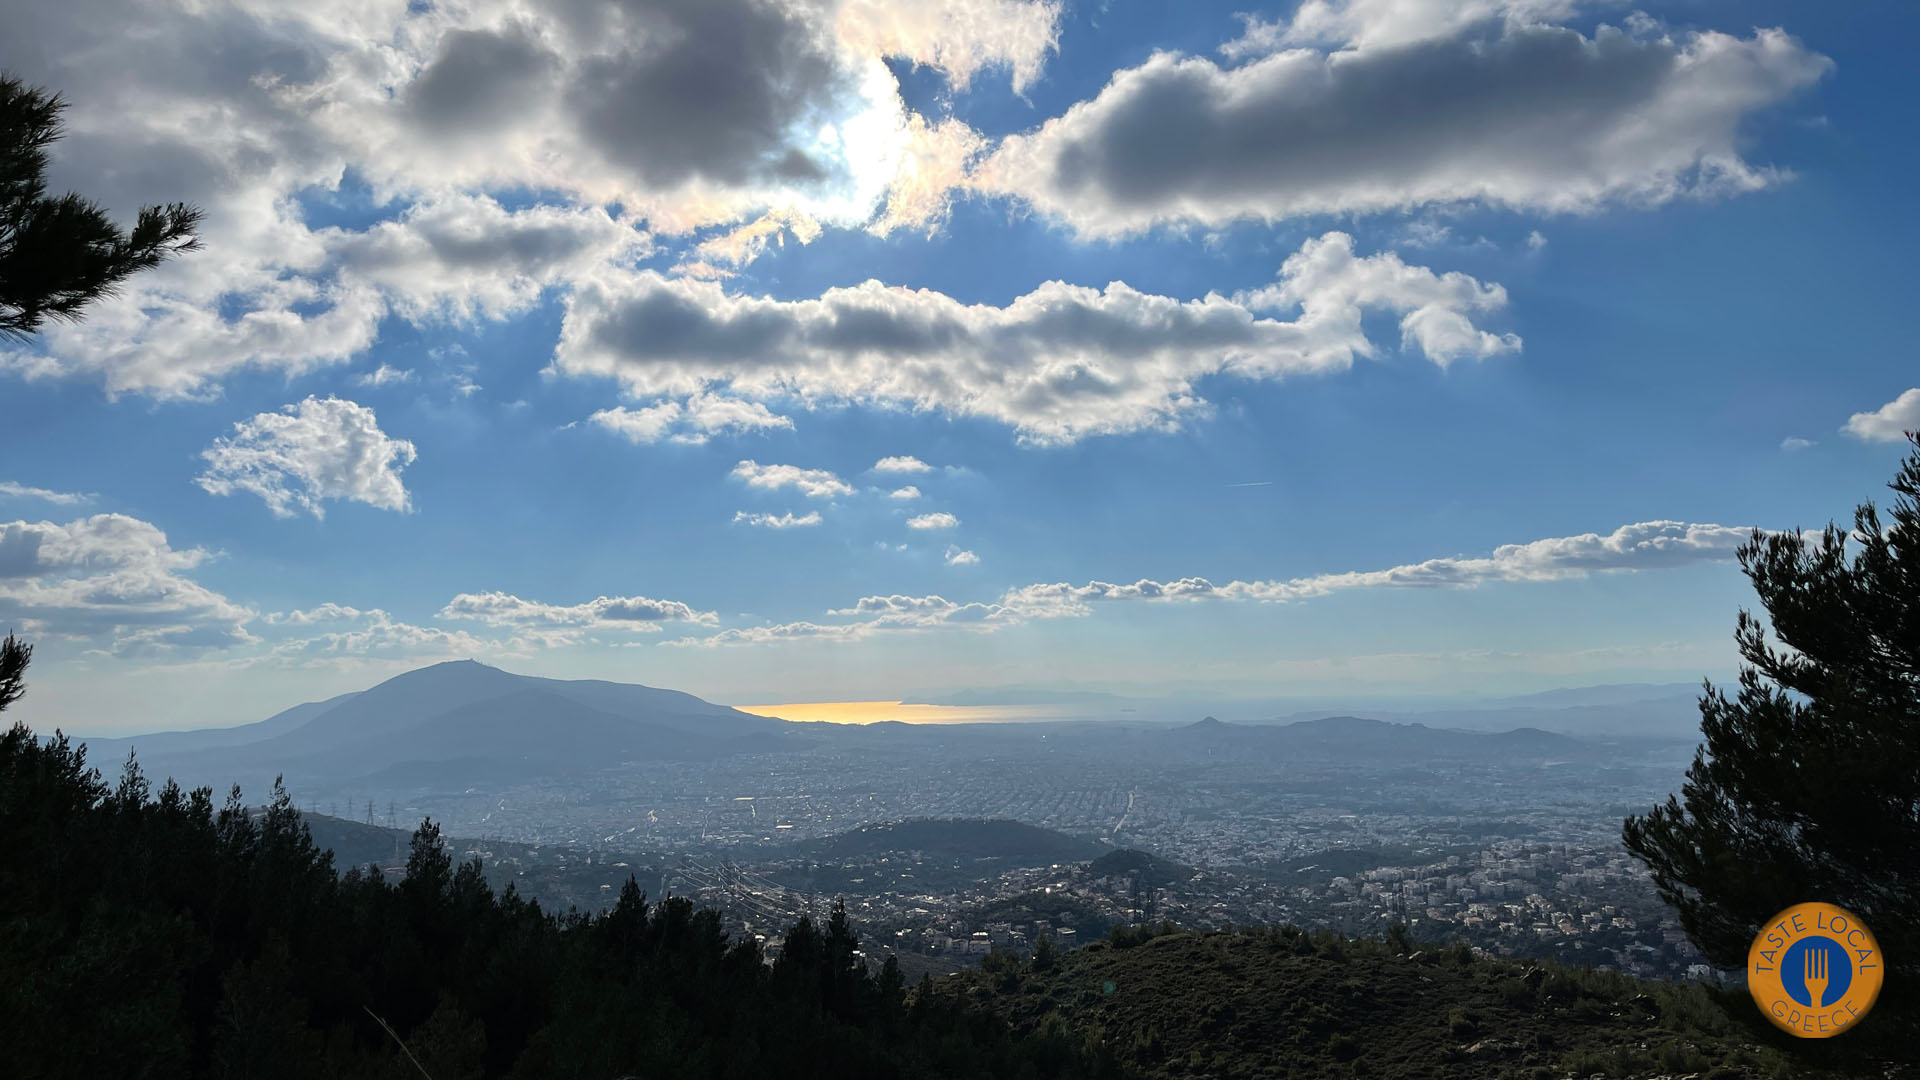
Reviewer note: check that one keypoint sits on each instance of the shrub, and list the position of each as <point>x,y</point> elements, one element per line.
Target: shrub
<point>1398,940</point>
<point>1342,1046</point>
<point>1462,1024</point>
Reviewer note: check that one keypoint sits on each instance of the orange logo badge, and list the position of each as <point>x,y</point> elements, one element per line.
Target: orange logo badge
<point>1814,970</point>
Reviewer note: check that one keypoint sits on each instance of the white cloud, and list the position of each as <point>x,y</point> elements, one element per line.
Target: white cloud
<point>1794,442</point>
<point>1525,115</point>
<point>457,258</point>
<point>362,633</point>
<point>11,489</point>
<point>761,635</point>
<point>1648,545</point>
<point>743,244</point>
<point>898,604</point>
<point>187,110</point>
<point>957,557</point>
<point>933,165</point>
<point>938,520</point>
<point>1536,240</point>
<point>385,376</point>
<point>322,613</point>
<point>1361,24</point>
<point>780,521</point>
<point>633,613</point>
<point>908,492</point>
<point>115,579</point>
<point>955,37</point>
<point>693,421</point>
<point>878,614</point>
<point>462,257</point>
<point>1888,423</point>
<point>322,448</point>
<point>381,635</point>
<point>153,340</point>
<point>904,463</point>
<point>1058,364</point>
<point>813,483</point>
<point>688,114</point>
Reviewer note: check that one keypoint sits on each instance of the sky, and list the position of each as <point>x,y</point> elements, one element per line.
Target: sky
<point>869,349</point>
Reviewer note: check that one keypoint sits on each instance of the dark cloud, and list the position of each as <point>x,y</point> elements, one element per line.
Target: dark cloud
<point>710,89</point>
<point>1533,115</point>
<point>19,550</point>
<point>671,324</point>
<point>479,79</point>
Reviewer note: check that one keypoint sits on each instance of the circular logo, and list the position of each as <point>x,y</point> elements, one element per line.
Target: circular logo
<point>1814,970</point>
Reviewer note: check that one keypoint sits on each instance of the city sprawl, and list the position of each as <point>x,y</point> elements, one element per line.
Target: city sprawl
<point>1507,841</point>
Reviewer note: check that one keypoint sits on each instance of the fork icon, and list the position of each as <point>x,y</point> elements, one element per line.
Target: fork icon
<point>1817,976</point>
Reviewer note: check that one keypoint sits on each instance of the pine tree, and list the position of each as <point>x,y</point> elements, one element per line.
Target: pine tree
<point>1045,953</point>
<point>429,867</point>
<point>1807,786</point>
<point>13,670</point>
<point>60,253</point>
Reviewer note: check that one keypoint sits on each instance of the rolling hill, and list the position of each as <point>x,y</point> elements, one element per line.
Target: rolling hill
<point>1146,868</point>
<point>1284,1003</point>
<point>1340,737</point>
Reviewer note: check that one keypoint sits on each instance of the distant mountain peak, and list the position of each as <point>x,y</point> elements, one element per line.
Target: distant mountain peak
<point>444,723</point>
<point>456,665</point>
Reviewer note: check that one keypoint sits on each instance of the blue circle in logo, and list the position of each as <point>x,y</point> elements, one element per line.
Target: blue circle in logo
<point>1800,959</point>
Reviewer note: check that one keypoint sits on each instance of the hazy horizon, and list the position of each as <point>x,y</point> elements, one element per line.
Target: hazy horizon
<point>1176,703</point>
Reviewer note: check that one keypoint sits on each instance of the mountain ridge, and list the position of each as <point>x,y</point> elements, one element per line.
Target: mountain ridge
<point>461,717</point>
<point>1337,734</point>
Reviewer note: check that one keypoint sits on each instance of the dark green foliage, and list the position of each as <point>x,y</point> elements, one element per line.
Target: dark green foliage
<point>1126,937</point>
<point>1146,869</point>
<point>13,670</point>
<point>1398,939</point>
<point>958,838</point>
<point>1342,1046</point>
<point>1281,1003</point>
<point>60,253</point>
<point>154,935</point>
<point>1807,786</point>
<point>1045,954</point>
<point>1461,1024</point>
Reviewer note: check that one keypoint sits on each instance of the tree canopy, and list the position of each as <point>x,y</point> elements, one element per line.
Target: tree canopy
<point>59,253</point>
<point>156,934</point>
<point>1807,784</point>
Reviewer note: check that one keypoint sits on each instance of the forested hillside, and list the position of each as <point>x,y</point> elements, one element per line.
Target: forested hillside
<point>1285,1003</point>
<point>150,934</point>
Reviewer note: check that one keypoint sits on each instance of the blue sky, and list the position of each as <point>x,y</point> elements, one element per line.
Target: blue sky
<point>1454,345</point>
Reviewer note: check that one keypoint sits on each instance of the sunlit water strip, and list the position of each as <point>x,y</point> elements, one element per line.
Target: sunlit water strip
<point>875,712</point>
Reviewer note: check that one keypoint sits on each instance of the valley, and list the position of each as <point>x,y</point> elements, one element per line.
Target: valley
<point>947,841</point>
